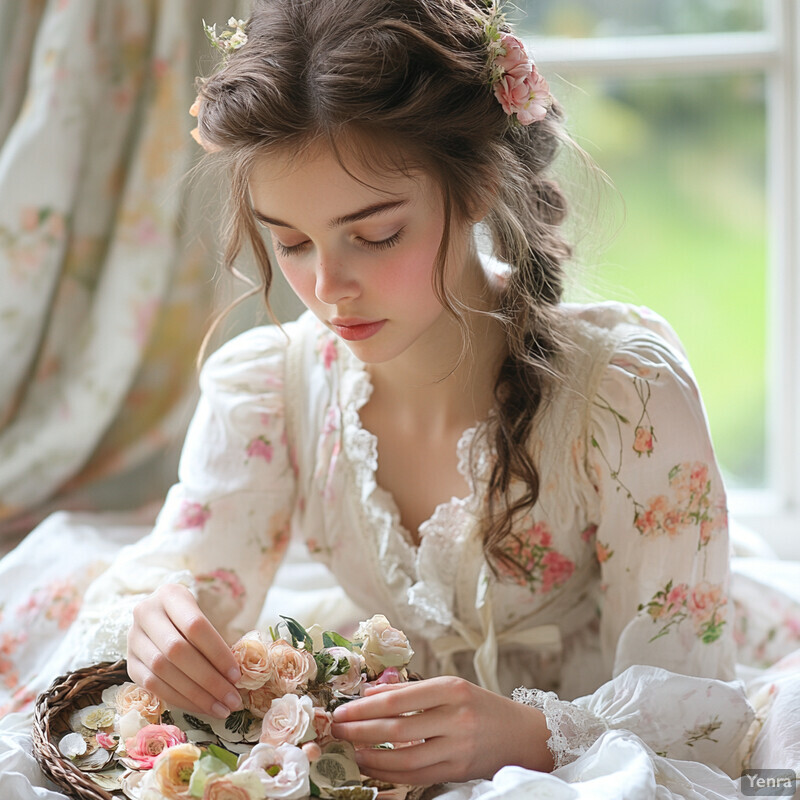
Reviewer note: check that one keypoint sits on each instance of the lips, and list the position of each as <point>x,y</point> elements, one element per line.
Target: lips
<point>354,329</point>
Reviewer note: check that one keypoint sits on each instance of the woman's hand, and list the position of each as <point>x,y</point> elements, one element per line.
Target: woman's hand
<point>175,653</point>
<point>468,732</point>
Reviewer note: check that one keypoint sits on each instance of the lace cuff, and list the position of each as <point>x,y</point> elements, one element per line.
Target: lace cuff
<point>573,730</point>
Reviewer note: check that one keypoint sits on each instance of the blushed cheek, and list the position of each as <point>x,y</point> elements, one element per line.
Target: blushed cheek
<point>302,284</point>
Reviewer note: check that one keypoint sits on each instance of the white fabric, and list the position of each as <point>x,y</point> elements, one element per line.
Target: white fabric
<point>624,591</point>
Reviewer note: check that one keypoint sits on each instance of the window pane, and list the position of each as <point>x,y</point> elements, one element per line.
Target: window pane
<point>688,157</point>
<point>582,18</point>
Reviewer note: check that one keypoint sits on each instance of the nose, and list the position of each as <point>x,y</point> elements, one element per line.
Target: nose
<point>335,282</point>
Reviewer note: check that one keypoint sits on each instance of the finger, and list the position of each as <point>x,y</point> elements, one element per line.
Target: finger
<point>420,765</point>
<point>410,757</point>
<point>397,698</point>
<point>174,691</point>
<point>185,614</point>
<point>426,725</point>
<point>177,662</point>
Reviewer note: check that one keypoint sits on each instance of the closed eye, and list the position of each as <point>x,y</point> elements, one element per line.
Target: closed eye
<point>383,244</point>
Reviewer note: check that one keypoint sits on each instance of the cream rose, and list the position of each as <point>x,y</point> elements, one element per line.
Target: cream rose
<point>289,720</point>
<point>382,645</point>
<point>292,669</point>
<point>130,697</point>
<point>172,771</point>
<point>251,657</point>
<point>290,781</point>
<point>348,682</point>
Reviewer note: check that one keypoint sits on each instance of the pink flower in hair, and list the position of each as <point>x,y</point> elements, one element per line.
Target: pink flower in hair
<point>513,59</point>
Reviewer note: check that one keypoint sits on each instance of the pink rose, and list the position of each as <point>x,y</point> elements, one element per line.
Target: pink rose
<point>557,570</point>
<point>292,669</point>
<point>289,721</point>
<point>643,443</point>
<point>260,447</point>
<point>676,597</point>
<point>348,682</point>
<point>322,721</point>
<point>538,103</point>
<point>192,515</point>
<point>513,93</point>
<point>515,59</point>
<point>151,741</point>
<point>105,741</point>
<point>704,601</point>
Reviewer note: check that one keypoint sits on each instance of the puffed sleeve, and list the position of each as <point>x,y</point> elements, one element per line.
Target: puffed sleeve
<point>224,527</point>
<point>662,544</point>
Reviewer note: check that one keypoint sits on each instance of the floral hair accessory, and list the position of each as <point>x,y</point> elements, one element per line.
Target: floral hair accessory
<point>520,89</point>
<point>227,42</point>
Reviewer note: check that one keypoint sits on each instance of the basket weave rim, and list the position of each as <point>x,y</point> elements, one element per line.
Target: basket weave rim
<point>49,713</point>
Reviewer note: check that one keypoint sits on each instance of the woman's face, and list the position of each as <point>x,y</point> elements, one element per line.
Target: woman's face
<point>359,255</point>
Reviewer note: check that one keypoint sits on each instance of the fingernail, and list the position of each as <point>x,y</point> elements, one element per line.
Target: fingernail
<point>220,711</point>
<point>233,701</point>
<point>234,675</point>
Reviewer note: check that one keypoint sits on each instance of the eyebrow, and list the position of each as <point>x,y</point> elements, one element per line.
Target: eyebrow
<point>347,219</point>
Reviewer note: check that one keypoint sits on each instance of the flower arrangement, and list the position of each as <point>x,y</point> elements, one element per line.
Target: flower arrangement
<point>278,746</point>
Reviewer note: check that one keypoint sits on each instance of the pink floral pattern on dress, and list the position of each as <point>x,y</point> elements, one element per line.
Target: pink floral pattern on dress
<point>326,347</point>
<point>260,447</point>
<point>59,602</point>
<point>544,567</point>
<point>192,515</point>
<point>704,604</point>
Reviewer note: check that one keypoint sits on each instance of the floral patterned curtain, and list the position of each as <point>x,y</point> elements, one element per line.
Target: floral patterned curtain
<point>105,259</point>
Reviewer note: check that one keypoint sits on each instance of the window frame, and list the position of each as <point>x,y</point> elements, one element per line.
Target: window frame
<point>773,512</point>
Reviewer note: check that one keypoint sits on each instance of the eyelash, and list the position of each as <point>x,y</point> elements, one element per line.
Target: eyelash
<point>384,244</point>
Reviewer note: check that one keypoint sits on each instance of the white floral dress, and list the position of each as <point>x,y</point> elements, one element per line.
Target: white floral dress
<point>624,624</point>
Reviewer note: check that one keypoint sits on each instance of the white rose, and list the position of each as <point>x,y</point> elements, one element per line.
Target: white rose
<point>348,682</point>
<point>290,719</point>
<point>382,645</point>
<point>291,780</point>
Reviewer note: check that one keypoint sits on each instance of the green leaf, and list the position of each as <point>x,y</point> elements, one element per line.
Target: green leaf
<point>229,759</point>
<point>298,633</point>
<point>325,663</point>
<point>333,639</point>
<point>314,792</point>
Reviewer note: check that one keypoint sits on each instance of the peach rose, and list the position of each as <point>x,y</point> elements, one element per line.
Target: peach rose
<point>255,665</point>
<point>151,741</point>
<point>643,443</point>
<point>704,601</point>
<point>382,645</point>
<point>234,786</point>
<point>348,682</point>
<point>173,769</point>
<point>292,669</point>
<point>258,701</point>
<point>130,697</point>
<point>288,721</point>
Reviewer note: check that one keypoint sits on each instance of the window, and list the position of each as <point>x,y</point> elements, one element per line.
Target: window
<point>690,106</point>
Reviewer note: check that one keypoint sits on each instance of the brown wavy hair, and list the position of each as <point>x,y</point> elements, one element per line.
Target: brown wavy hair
<point>414,74</point>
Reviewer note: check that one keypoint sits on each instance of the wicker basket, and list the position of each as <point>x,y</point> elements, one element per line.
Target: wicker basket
<point>82,688</point>
<point>51,721</point>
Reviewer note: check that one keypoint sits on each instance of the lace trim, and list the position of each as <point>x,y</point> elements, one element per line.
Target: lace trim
<point>105,638</point>
<point>425,575</point>
<point>573,730</point>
